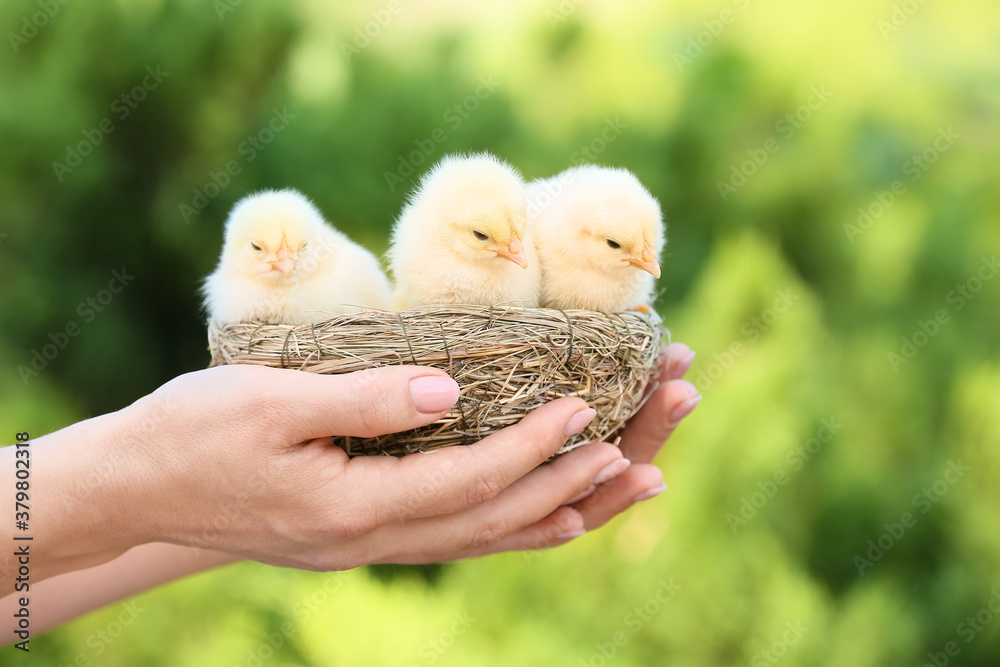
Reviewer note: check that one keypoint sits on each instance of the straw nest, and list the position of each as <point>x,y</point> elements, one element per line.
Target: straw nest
<point>507,362</point>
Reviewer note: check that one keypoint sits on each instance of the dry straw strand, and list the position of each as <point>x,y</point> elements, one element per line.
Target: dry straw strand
<point>506,360</point>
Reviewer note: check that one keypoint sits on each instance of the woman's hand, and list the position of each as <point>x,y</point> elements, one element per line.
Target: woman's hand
<point>224,458</point>
<point>236,458</point>
<point>637,480</point>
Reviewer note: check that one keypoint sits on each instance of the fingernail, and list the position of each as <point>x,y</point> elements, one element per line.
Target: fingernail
<point>652,493</point>
<point>433,393</point>
<point>570,535</point>
<point>684,409</point>
<point>688,360</point>
<point>585,494</point>
<point>579,421</point>
<point>611,471</point>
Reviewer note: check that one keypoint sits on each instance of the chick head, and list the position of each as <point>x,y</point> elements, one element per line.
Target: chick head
<point>268,234</point>
<point>479,208</point>
<point>619,223</point>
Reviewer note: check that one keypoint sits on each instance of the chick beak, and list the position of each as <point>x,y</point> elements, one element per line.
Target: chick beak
<point>647,262</point>
<point>514,252</point>
<point>285,261</point>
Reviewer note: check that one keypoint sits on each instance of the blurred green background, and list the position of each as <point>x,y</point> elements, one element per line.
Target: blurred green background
<point>830,173</point>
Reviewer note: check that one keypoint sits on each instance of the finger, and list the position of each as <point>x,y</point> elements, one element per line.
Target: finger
<point>456,478</point>
<point>640,482</point>
<point>559,527</point>
<point>672,364</point>
<point>607,501</point>
<point>646,432</point>
<point>363,404</point>
<point>569,522</point>
<point>676,361</point>
<point>530,499</point>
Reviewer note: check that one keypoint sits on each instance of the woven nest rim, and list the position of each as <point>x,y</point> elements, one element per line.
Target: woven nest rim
<point>507,361</point>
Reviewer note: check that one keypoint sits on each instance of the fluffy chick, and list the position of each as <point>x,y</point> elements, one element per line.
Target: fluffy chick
<point>599,233</point>
<point>282,263</point>
<point>462,238</point>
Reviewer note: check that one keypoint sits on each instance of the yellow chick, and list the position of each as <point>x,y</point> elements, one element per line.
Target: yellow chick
<point>599,233</point>
<point>462,238</point>
<point>282,263</point>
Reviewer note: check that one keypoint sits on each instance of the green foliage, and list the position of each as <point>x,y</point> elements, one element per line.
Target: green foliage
<point>829,412</point>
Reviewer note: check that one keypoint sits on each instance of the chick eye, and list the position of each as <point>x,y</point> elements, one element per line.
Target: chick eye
<point>479,235</point>
<point>303,246</point>
<point>614,245</point>
<point>256,248</point>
